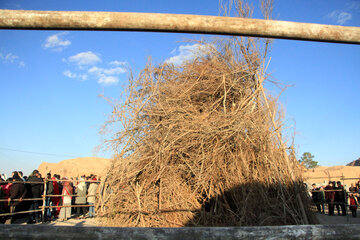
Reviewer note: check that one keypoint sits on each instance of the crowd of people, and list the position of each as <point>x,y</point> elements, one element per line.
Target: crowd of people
<point>64,197</point>
<point>334,195</point>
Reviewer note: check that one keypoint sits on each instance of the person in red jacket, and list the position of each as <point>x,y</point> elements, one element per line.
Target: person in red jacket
<point>353,204</point>
<point>67,192</point>
<point>330,197</point>
<point>55,200</point>
<point>6,191</point>
<point>17,193</point>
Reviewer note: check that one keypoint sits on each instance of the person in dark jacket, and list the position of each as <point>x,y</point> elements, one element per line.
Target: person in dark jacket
<point>322,199</point>
<point>36,184</point>
<point>49,191</point>
<point>17,193</point>
<point>340,198</point>
<point>315,196</point>
<point>352,188</point>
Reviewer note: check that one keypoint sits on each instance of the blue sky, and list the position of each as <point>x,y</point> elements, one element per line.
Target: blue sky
<point>50,81</point>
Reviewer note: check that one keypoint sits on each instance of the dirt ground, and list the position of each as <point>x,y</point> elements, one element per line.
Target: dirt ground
<point>85,222</point>
<point>336,219</point>
<point>88,222</point>
<point>323,219</point>
<point>91,222</point>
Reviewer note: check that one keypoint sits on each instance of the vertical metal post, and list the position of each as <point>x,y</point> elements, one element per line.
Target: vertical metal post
<point>44,200</point>
<point>346,200</point>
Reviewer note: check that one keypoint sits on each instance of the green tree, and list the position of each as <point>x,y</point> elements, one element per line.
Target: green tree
<point>307,160</point>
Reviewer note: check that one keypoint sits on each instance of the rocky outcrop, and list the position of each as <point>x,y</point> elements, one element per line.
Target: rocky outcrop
<point>354,163</point>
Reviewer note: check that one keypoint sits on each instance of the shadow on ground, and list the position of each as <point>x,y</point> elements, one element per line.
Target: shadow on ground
<point>256,204</point>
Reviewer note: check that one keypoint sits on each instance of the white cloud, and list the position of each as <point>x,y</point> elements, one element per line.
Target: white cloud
<point>106,75</point>
<point>21,64</point>
<point>108,80</point>
<point>84,58</point>
<point>107,71</point>
<point>11,58</point>
<point>87,63</point>
<point>187,53</point>
<point>340,17</point>
<point>114,71</point>
<point>57,42</point>
<point>353,5</point>
<point>8,58</point>
<point>70,74</point>
<point>117,63</point>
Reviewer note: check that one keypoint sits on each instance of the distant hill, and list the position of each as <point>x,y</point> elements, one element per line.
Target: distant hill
<point>76,167</point>
<point>354,163</point>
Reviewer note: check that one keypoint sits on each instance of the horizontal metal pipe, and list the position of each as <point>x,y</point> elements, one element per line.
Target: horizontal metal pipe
<point>65,206</point>
<point>18,199</point>
<point>50,180</point>
<point>156,22</point>
<point>14,213</point>
<point>61,195</point>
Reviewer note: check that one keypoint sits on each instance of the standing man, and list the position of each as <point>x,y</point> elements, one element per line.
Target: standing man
<point>341,193</point>
<point>36,184</point>
<point>49,191</point>
<point>315,197</point>
<point>21,175</point>
<point>322,199</point>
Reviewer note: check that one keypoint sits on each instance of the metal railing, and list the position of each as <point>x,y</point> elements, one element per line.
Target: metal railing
<point>44,196</point>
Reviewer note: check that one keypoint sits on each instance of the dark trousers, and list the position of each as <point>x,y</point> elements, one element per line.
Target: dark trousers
<point>12,210</point>
<point>343,209</point>
<point>331,208</point>
<point>320,207</point>
<point>353,212</point>
<point>48,210</point>
<point>35,216</point>
<point>83,209</point>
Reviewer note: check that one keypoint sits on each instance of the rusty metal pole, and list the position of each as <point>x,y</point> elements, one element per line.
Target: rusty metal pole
<point>156,22</point>
<point>44,201</point>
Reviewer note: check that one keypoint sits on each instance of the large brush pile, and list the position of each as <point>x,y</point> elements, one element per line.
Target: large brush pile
<point>200,145</point>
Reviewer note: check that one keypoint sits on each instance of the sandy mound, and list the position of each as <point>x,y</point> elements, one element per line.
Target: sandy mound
<point>322,174</point>
<point>76,167</point>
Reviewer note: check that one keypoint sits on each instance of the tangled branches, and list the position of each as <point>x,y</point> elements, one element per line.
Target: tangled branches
<point>200,145</point>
